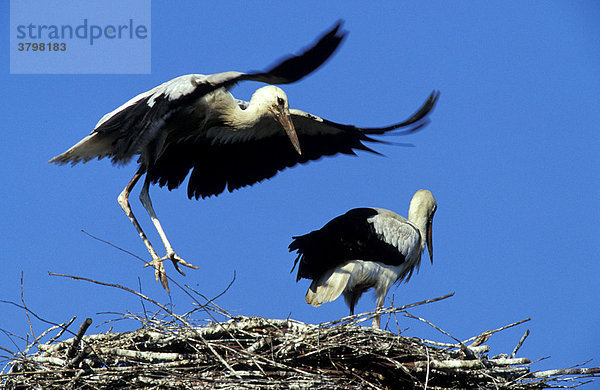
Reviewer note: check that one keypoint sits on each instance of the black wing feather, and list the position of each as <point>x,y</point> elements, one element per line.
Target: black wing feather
<point>296,67</point>
<point>235,165</point>
<point>287,71</point>
<point>218,166</point>
<point>347,237</point>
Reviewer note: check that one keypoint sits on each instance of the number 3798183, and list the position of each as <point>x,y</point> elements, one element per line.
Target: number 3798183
<point>34,46</point>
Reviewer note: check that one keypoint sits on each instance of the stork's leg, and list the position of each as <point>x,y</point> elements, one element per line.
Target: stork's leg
<point>171,255</point>
<point>124,202</point>
<point>377,319</point>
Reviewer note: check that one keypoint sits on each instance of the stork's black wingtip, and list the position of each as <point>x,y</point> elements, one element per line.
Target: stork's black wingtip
<point>300,65</point>
<point>434,96</point>
<point>331,40</point>
<point>336,28</point>
<point>335,36</point>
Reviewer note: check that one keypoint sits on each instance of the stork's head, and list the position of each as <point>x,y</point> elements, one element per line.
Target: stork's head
<point>421,211</point>
<point>275,103</point>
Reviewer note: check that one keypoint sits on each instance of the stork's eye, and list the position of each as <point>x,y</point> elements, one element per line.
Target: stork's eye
<point>280,101</point>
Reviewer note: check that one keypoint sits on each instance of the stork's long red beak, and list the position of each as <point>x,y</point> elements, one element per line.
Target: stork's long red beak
<point>286,122</point>
<point>430,240</point>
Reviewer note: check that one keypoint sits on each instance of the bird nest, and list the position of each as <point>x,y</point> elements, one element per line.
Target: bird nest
<point>173,352</point>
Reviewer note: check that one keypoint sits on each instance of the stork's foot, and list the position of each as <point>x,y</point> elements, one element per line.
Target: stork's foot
<point>174,257</point>
<point>159,272</point>
<point>159,268</point>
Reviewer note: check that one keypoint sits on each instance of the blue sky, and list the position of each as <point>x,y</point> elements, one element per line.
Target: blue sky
<point>511,155</point>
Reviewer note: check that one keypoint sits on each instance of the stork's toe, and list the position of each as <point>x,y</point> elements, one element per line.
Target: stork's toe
<point>176,259</point>
<point>159,268</point>
<point>159,272</point>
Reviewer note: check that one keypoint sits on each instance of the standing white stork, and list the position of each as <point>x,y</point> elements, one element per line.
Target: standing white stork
<point>193,123</point>
<point>364,248</point>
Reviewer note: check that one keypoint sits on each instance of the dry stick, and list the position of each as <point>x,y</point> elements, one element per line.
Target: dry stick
<point>368,315</point>
<point>145,356</point>
<point>486,335</point>
<point>178,317</point>
<point>427,373</point>
<point>521,341</point>
<point>9,351</point>
<point>469,364</point>
<point>590,371</point>
<point>141,300</point>
<point>10,336</point>
<point>29,311</point>
<point>211,301</point>
<point>209,305</point>
<point>64,328</point>
<point>79,358</point>
<point>469,353</point>
<point>15,356</point>
<point>37,339</point>
<point>439,344</point>
<point>582,364</point>
<point>391,301</point>
<point>37,372</point>
<point>434,327</point>
<point>77,340</point>
<point>25,306</point>
<point>113,245</point>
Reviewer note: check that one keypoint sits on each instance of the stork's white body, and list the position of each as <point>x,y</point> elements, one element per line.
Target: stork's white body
<point>365,248</point>
<point>345,279</point>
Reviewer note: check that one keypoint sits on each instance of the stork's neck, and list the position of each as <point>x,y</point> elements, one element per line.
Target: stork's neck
<point>419,218</point>
<point>254,113</point>
<point>240,119</point>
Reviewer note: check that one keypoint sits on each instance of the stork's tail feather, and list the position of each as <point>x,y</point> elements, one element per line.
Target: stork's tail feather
<point>87,149</point>
<point>328,287</point>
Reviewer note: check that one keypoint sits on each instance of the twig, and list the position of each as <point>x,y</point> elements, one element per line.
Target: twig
<point>78,358</point>
<point>37,339</point>
<point>566,371</point>
<point>113,245</point>
<point>427,373</point>
<point>25,306</point>
<point>77,340</point>
<point>211,301</point>
<point>63,329</point>
<point>483,337</point>
<point>29,311</point>
<point>141,300</point>
<point>368,315</point>
<point>433,326</point>
<point>519,344</point>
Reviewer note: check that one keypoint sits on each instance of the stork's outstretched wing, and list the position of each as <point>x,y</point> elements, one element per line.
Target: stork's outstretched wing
<point>125,132</point>
<point>233,160</point>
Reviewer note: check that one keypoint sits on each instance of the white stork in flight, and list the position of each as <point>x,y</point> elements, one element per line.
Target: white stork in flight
<point>364,248</point>
<point>193,123</point>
